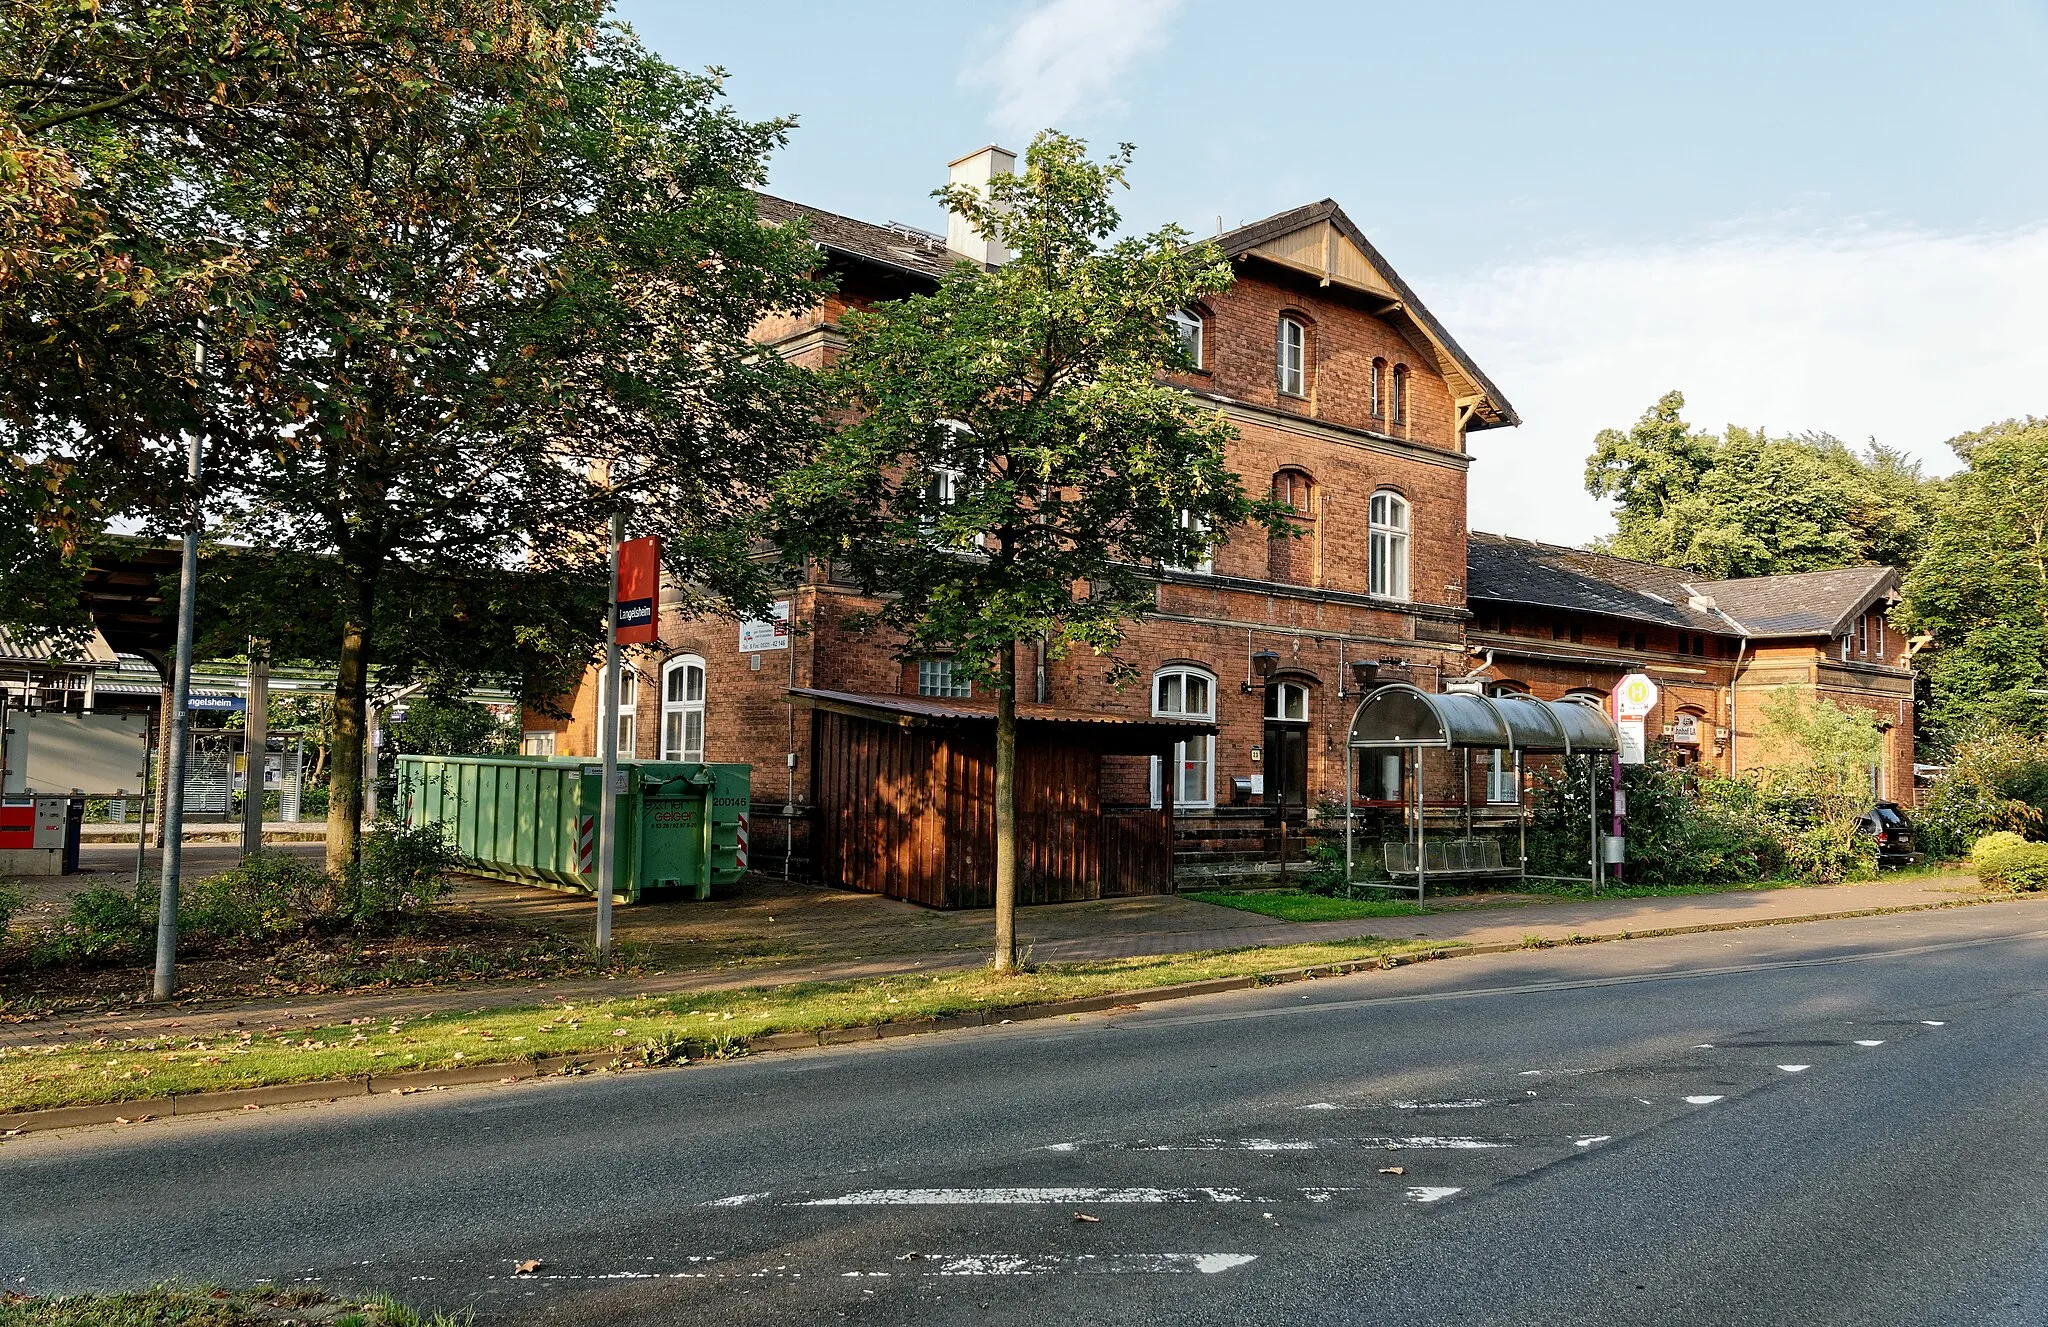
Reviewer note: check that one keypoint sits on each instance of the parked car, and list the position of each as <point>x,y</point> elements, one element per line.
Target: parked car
<point>1887,823</point>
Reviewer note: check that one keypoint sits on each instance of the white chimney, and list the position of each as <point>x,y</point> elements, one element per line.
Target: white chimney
<point>975,170</point>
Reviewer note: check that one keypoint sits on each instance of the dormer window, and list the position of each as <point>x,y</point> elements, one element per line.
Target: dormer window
<point>1291,354</point>
<point>1187,325</point>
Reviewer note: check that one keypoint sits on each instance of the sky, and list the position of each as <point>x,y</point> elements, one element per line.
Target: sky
<point>1805,216</point>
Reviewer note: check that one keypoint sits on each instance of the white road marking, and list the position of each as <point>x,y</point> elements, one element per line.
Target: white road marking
<point>1703,1100</point>
<point>1470,1103</point>
<point>1318,1105</point>
<point>1596,1138</point>
<point>1423,1193</point>
<point>1934,1022</point>
<point>1530,1073</point>
<point>1436,1141</point>
<point>1021,1196</point>
<point>1096,1264</point>
<point>1870,1043</point>
<point>1061,1147</point>
<point>1704,1046</point>
<point>737,1200</point>
<point>1795,1068</point>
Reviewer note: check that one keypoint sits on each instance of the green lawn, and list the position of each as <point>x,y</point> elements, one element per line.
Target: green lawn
<point>634,1032</point>
<point>204,1306</point>
<point>1298,905</point>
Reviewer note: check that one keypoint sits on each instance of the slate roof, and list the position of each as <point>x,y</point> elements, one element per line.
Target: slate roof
<point>1807,603</point>
<point>1503,569</point>
<point>912,252</point>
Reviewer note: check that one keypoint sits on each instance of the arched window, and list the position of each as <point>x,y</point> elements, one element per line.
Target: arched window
<point>1187,693</point>
<point>1389,575</point>
<point>1399,405</point>
<point>1287,702</point>
<point>1187,325</point>
<point>628,709</point>
<point>1379,389</point>
<point>682,709</point>
<point>1291,356</point>
<point>1294,488</point>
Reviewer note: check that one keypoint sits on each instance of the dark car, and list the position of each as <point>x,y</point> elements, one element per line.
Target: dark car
<point>1886,823</point>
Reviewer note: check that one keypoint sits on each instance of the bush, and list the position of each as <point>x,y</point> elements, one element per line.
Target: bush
<point>102,925</point>
<point>1994,781</point>
<point>269,894</point>
<point>1683,829</point>
<point>12,899</point>
<point>401,873</point>
<point>2004,858</point>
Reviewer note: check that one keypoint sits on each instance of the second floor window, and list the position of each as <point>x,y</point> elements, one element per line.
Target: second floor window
<point>1291,352</point>
<point>1188,327</point>
<point>941,677</point>
<point>1378,384</point>
<point>1398,406</point>
<point>1206,561</point>
<point>1389,557</point>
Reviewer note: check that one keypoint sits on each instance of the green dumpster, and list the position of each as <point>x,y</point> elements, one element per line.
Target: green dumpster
<point>533,820</point>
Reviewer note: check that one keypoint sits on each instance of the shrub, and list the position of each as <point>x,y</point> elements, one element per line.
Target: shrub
<point>1683,829</point>
<point>102,925</point>
<point>12,899</point>
<point>1995,780</point>
<point>2004,858</point>
<point>269,894</point>
<point>401,873</point>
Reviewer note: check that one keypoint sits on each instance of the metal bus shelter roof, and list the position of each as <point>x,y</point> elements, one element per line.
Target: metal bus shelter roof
<point>1400,716</point>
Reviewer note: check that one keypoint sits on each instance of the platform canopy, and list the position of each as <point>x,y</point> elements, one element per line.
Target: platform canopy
<point>1399,715</point>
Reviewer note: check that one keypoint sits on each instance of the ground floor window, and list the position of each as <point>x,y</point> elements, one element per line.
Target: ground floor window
<point>682,709</point>
<point>537,743</point>
<point>1183,693</point>
<point>943,678</point>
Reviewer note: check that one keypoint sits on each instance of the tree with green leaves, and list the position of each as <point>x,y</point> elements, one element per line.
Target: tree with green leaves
<point>1979,590</point>
<point>469,275</point>
<point>1015,461</point>
<point>1748,504</point>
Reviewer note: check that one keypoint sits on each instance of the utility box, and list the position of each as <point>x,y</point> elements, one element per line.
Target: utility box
<point>40,835</point>
<point>682,828</point>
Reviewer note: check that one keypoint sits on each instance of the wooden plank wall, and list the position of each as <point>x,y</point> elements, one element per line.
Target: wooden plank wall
<point>910,812</point>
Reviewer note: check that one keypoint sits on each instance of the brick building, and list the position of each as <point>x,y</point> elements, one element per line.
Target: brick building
<point>1552,621</point>
<point>1352,404</point>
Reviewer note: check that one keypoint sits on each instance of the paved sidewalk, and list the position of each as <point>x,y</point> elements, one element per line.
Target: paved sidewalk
<point>1067,933</point>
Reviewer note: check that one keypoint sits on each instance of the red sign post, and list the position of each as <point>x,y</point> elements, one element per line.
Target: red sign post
<point>639,591</point>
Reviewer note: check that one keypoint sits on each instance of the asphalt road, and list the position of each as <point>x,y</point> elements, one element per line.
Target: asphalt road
<point>1837,1122</point>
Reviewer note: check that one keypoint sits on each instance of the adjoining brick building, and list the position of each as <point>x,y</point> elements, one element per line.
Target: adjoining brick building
<point>1555,621</point>
<point>1352,404</point>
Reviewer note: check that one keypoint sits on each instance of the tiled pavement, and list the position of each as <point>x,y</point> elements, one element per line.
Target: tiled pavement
<point>810,934</point>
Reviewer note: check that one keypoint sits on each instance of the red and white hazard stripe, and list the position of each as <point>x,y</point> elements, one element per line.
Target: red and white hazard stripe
<point>586,844</point>
<point>740,844</point>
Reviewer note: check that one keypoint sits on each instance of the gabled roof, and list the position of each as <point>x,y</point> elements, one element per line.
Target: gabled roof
<point>1319,240</point>
<point>911,252</point>
<point>1807,603</point>
<point>1503,569</point>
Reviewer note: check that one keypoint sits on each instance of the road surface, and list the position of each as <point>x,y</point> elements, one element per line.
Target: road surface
<point>1840,1122</point>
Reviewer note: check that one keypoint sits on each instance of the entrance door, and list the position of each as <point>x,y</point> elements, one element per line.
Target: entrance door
<point>1287,745</point>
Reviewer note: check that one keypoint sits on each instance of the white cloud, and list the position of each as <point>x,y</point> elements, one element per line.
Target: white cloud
<point>1065,57</point>
<point>1908,336</point>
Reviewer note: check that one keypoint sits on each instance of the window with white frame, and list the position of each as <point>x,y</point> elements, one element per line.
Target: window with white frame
<point>1287,702</point>
<point>1291,353</point>
<point>682,709</point>
<point>1206,563</point>
<point>1379,389</point>
<point>944,678</point>
<point>1389,552</point>
<point>537,742</point>
<point>1184,693</point>
<point>628,709</point>
<point>1187,325</point>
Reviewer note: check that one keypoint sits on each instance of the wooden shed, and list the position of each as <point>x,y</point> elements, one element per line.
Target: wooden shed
<point>904,788</point>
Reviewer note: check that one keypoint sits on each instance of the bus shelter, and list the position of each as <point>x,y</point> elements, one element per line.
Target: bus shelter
<point>1408,721</point>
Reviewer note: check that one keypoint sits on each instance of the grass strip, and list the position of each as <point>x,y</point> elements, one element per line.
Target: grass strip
<point>640,1030</point>
<point>1298,905</point>
<point>206,1306</point>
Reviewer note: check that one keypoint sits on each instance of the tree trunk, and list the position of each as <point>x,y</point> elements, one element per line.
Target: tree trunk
<point>351,695</point>
<point>1006,809</point>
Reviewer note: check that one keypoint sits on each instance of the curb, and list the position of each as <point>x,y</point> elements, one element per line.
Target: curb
<point>136,1110</point>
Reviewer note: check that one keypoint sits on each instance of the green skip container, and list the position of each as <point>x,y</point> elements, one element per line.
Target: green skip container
<point>533,820</point>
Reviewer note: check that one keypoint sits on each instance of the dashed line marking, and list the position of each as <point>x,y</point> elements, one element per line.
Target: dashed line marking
<point>1870,1043</point>
<point>1795,1068</point>
<point>1021,1196</point>
<point>1934,1022</point>
<point>1423,1193</point>
<point>738,1199</point>
<point>1596,1138</point>
<point>1704,1100</point>
<point>1085,1264</point>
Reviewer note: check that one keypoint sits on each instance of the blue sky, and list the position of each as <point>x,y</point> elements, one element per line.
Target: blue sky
<point>1806,216</point>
